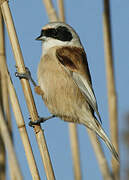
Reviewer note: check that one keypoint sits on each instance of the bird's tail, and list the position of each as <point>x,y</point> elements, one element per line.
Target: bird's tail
<point>103,135</point>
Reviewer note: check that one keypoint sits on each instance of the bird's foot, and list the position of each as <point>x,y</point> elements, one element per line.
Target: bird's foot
<point>26,75</point>
<point>40,120</point>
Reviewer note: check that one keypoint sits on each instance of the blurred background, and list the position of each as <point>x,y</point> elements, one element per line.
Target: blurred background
<point>86,17</point>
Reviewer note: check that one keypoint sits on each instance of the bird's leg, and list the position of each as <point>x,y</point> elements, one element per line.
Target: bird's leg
<point>38,90</point>
<point>40,120</point>
<point>26,75</point>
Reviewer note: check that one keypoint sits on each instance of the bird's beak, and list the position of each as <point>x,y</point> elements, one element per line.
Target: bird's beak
<point>40,38</point>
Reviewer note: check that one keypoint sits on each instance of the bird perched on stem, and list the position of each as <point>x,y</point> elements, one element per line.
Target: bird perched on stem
<point>65,81</point>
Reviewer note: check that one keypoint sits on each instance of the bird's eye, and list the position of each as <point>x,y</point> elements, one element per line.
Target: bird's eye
<point>42,32</point>
<point>53,32</point>
<point>49,33</point>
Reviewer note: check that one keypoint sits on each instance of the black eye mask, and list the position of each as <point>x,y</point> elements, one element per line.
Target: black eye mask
<point>61,33</point>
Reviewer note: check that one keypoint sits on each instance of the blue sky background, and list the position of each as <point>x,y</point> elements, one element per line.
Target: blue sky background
<point>86,18</point>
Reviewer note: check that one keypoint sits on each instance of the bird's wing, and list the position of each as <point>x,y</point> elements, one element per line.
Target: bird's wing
<point>75,63</point>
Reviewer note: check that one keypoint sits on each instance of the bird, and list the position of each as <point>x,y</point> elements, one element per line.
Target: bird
<point>65,82</point>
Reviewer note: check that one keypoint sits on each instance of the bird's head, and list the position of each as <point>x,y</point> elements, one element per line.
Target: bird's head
<point>58,34</point>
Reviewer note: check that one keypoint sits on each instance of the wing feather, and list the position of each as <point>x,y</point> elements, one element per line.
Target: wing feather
<point>75,63</point>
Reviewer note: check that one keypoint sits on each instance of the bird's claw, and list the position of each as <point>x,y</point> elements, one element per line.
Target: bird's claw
<point>40,120</point>
<point>26,75</point>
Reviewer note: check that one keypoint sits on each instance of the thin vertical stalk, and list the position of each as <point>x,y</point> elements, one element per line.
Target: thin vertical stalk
<point>8,89</point>
<point>4,87</point>
<point>2,160</point>
<point>50,10</point>
<point>61,10</point>
<point>75,151</point>
<point>9,147</point>
<point>2,147</point>
<point>100,155</point>
<point>22,129</point>
<point>27,90</point>
<point>112,97</point>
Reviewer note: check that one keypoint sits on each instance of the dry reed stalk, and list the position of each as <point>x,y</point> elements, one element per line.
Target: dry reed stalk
<point>4,84</point>
<point>7,84</point>
<point>21,126</point>
<point>22,130</point>
<point>9,147</point>
<point>5,92</point>
<point>2,147</point>
<point>112,97</point>
<point>26,89</point>
<point>4,87</point>
<point>75,151</point>
<point>2,160</point>
<point>100,155</point>
<point>103,165</point>
<point>61,10</point>
<point>50,10</point>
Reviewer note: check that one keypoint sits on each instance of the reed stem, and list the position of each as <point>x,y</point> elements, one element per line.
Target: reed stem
<point>26,89</point>
<point>100,155</point>
<point>112,97</point>
<point>50,10</point>
<point>9,147</point>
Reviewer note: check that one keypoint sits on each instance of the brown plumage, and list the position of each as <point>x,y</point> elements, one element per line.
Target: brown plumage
<point>64,79</point>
